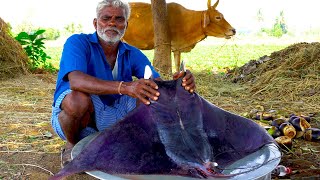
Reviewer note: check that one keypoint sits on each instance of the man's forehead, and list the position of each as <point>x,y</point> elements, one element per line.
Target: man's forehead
<point>112,11</point>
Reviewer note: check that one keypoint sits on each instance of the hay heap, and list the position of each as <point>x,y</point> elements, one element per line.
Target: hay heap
<point>291,74</point>
<point>13,59</point>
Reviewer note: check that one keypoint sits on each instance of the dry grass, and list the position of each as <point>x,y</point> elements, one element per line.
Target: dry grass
<point>291,75</point>
<point>25,114</point>
<point>13,59</point>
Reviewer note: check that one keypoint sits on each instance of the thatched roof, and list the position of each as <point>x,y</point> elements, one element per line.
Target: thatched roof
<point>13,59</point>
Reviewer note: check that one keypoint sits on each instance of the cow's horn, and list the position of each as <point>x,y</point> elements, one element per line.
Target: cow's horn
<point>215,4</point>
<point>209,4</point>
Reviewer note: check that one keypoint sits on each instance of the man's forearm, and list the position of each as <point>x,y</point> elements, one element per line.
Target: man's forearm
<point>80,81</point>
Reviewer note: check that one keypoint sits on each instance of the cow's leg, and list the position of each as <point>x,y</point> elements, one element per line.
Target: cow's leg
<point>177,56</point>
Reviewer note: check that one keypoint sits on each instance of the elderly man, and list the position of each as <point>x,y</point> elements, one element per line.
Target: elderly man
<point>94,87</point>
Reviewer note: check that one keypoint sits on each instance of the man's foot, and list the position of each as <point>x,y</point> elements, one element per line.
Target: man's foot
<point>65,155</point>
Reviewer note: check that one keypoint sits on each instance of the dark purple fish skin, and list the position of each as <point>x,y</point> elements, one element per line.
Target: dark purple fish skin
<point>176,135</point>
<point>231,136</point>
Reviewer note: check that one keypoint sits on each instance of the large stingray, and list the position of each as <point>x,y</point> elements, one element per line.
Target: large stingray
<point>179,134</point>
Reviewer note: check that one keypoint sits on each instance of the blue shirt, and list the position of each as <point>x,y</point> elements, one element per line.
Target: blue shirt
<point>82,52</point>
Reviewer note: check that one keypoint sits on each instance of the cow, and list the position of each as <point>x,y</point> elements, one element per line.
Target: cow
<point>186,27</point>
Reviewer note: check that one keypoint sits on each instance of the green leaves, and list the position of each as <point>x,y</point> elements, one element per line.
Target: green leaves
<point>34,46</point>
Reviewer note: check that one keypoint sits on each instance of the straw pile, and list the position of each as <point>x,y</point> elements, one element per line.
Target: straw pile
<point>13,59</point>
<point>291,74</point>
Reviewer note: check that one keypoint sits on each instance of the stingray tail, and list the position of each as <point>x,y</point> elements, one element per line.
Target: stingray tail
<point>69,169</point>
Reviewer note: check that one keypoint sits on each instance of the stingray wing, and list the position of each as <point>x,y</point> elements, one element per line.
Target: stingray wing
<point>231,136</point>
<point>131,146</point>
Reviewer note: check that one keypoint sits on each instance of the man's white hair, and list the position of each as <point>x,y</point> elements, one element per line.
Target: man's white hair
<point>114,3</point>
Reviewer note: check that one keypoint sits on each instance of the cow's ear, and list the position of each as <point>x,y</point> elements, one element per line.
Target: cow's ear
<point>206,19</point>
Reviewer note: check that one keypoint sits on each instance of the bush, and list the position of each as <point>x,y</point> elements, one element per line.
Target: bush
<point>52,34</point>
<point>34,46</point>
<point>25,26</point>
<point>73,28</point>
<point>279,27</point>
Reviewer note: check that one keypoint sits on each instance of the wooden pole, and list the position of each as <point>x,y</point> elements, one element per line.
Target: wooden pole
<point>162,52</point>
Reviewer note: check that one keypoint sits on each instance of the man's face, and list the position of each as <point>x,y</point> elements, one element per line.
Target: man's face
<point>111,24</point>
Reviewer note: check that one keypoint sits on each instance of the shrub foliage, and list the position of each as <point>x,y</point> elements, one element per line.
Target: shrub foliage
<point>34,46</point>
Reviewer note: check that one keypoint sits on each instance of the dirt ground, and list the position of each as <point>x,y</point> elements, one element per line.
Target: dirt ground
<point>29,149</point>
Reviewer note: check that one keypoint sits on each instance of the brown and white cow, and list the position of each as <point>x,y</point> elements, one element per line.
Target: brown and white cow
<point>187,27</point>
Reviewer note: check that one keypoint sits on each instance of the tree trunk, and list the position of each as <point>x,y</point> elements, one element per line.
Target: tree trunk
<point>162,41</point>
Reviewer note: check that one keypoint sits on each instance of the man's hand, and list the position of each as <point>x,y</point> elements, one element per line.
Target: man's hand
<point>143,89</point>
<point>188,81</point>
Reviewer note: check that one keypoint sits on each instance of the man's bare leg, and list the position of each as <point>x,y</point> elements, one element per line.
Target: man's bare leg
<point>76,108</point>
<point>76,113</point>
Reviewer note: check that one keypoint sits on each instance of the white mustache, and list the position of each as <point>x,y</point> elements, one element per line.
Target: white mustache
<point>113,29</point>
